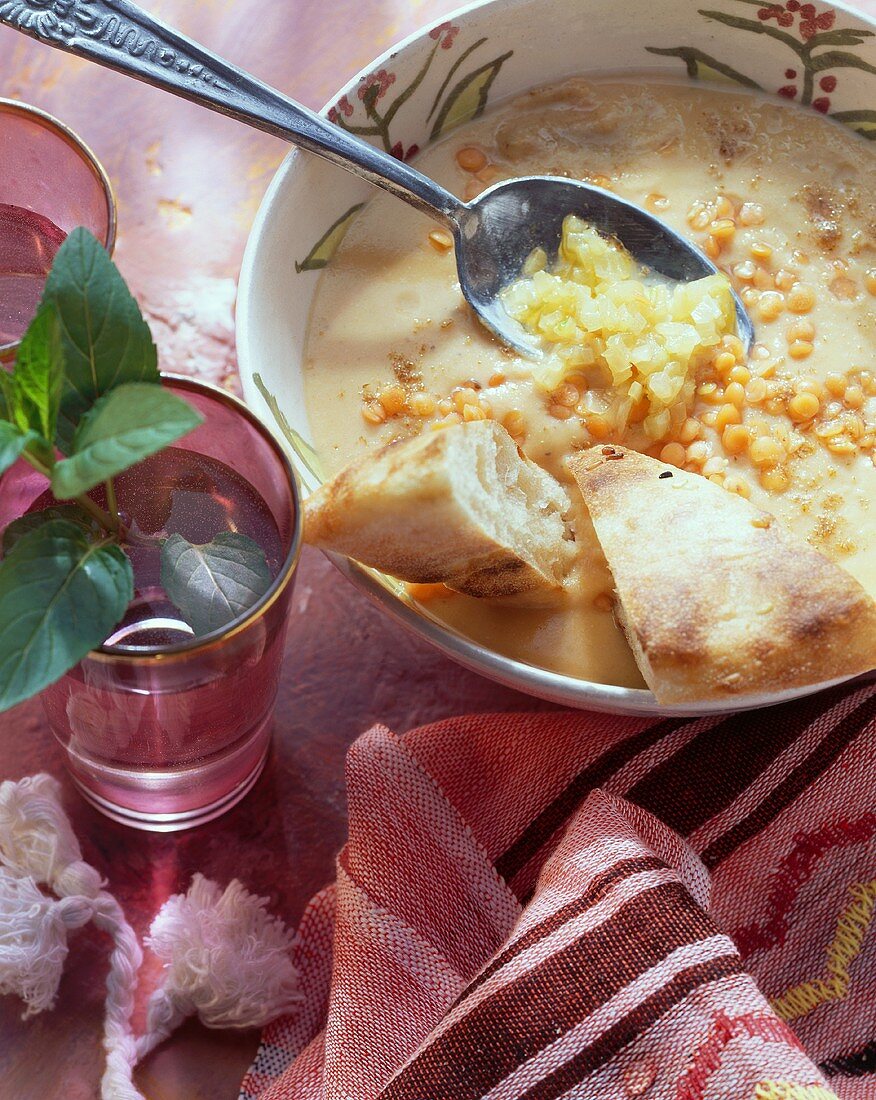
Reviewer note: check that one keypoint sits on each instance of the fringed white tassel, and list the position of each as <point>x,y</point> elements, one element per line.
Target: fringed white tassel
<point>227,960</point>
<point>36,838</point>
<point>33,940</point>
<point>38,845</point>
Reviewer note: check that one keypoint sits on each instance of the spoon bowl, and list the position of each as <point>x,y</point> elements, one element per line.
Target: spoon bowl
<point>493,235</point>
<point>497,231</point>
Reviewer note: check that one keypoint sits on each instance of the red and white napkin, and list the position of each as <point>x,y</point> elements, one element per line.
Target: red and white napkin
<point>546,906</point>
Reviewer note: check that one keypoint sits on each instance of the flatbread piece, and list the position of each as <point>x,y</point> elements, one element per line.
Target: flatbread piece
<point>461,506</point>
<point>714,596</point>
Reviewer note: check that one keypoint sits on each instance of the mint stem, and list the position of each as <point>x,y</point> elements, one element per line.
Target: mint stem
<point>107,522</point>
<point>112,501</point>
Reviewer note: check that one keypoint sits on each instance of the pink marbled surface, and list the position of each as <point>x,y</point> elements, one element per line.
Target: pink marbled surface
<point>188,185</point>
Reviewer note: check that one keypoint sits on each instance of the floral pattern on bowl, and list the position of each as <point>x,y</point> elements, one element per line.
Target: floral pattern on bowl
<point>371,113</point>
<point>812,36</point>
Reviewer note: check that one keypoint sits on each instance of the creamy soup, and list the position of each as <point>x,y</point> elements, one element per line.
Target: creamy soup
<point>779,197</point>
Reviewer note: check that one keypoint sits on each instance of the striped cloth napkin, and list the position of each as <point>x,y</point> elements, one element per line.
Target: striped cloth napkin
<point>577,905</point>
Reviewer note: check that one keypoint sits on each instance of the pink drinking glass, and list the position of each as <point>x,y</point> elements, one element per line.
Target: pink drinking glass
<point>164,737</point>
<point>50,183</point>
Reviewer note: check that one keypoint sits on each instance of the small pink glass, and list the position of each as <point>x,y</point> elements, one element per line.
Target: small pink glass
<point>163,730</point>
<point>50,183</point>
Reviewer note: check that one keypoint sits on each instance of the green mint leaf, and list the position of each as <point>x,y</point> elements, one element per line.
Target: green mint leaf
<point>214,584</point>
<point>60,596</point>
<point>39,374</point>
<point>122,428</point>
<point>105,339</point>
<point>12,442</point>
<point>30,521</point>
<point>7,403</point>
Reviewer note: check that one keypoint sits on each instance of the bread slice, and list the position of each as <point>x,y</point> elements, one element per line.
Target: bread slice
<point>714,596</point>
<point>460,506</point>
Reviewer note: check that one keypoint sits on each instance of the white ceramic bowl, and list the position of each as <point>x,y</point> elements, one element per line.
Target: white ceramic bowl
<point>479,55</point>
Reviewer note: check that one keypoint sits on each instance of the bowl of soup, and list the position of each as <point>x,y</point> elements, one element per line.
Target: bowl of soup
<point>748,128</point>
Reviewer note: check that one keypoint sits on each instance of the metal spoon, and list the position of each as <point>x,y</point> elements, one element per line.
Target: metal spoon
<point>493,234</point>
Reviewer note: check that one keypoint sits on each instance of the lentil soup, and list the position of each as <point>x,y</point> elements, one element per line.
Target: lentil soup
<point>778,197</point>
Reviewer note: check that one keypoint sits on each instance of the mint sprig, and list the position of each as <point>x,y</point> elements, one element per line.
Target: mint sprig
<point>126,425</point>
<point>213,584</point>
<point>30,521</point>
<point>83,404</point>
<point>60,596</point>
<point>39,375</point>
<point>106,342</point>
<point>87,339</point>
<point>13,443</point>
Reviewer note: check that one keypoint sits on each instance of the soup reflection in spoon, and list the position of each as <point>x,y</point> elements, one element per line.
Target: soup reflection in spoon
<point>493,234</point>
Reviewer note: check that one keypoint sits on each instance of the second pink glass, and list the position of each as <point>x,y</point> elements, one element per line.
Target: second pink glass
<point>164,730</point>
<point>50,183</point>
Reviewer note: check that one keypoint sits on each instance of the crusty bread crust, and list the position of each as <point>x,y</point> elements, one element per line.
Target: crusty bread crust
<point>398,510</point>
<point>715,597</point>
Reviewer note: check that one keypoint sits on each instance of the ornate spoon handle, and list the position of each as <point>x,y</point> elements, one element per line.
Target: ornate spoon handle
<point>119,35</point>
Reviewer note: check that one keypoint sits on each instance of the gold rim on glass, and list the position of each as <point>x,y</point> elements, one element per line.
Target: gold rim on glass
<point>71,138</point>
<point>181,650</point>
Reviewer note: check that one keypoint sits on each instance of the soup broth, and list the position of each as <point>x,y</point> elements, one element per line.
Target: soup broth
<point>779,197</point>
